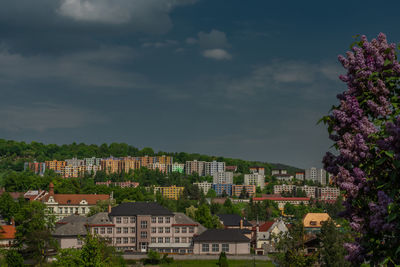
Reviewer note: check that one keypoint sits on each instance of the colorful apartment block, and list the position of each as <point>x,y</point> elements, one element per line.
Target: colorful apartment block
<point>127,164</point>
<point>110,165</point>
<point>172,192</point>
<point>237,190</point>
<point>221,188</point>
<point>55,165</point>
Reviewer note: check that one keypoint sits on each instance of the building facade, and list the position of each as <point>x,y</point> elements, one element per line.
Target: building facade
<point>221,188</point>
<point>204,186</point>
<point>172,192</point>
<point>255,179</point>
<point>214,167</point>
<point>237,190</point>
<point>223,177</point>
<point>195,166</point>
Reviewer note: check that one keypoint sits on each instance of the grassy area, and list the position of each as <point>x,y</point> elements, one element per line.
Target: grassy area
<point>212,263</point>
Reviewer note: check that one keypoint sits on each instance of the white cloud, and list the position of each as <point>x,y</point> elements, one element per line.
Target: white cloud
<point>41,117</point>
<point>143,15</point>
<point>218,54</point>
<point>160,44</point>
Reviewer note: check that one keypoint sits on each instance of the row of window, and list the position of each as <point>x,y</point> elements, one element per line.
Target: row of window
<point>184,229</point>
<point>126,220</point>
<point>161,230</point>
<point>215,247</point>
<point>67,210</point>
<point>160,219</point>
<point>102,230</point>
<point>168,240</point>
<point>125,230</point>
<point>125,240</point>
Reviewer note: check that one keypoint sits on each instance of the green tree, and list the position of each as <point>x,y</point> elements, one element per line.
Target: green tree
<point>14,258</point>
<point>34,228</point>
<point>222,260</point>
<point>332,250</point>
<point>211,193</point>
<point>204,216</point>
<point>8,207</point>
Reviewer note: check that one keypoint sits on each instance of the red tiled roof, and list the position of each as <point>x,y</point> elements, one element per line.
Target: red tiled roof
<point>281,198</point>
<point>75,199</point>
<point>7,231</point>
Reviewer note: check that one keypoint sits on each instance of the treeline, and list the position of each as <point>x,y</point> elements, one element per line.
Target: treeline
<point>14,153</point>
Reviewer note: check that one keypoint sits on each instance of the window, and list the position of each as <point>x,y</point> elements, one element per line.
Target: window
<point>83,210</point>
<point>153,240</point>
<point>167,219</point>
<point>132,219</point>
<point>153,219</point>
<point>153,229</point>
<point>176,239</point>
<point>118,240</point>
<point>225,247</point>
<point>176,229</point>
<point>66,210</point>
<point>183,239</point>
<point>96,230</point>
<point>175,250</point>
<point>118,230</point>
<point>102,230</point>
<point>118,219</point>
<point>133,240</point>
<point>160,240</point>
<point>183,230</point>
<point>76,210</point>
<point>126,219</point>
<point>71,210</point>
<point>143,224</point>
<point>143,234</point>
<point>126,230</point>
<point>167,230</point>
<point>191,229</point>
<point>160,219</point>
<point>215,247</point>
<point>79,241</point>
<point>205,247</point>
<point>109,230</point>
<point>125,240</point>
<point>61,210</point>
<point>160,229</point>
<point>167,240</point>
<point>190,239</point>
<point>133,230</point>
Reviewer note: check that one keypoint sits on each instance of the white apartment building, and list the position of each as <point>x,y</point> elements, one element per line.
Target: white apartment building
<point>75,162</point>
<point>309,190</point>
<point>278,189</point>
<point>316,175</point>
<point>283,177</point>
<point>327,193</point>
<point>195,167</point>
<point>223,178</point>
<point>278,171</point>
<point>255,179</point>
<point>204,186</point>
<point>213,167</point>
<point>92,161</point>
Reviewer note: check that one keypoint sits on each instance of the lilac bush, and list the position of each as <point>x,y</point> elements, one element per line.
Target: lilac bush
<point>365,129</point>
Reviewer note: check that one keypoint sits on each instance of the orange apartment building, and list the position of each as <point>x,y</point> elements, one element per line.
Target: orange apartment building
<point>110,165</point>
<point>55,165</point>
<point>237,190</point>
<point>129,163</point>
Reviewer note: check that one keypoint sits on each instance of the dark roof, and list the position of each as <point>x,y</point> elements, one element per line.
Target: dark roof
<point>71,229</point>
<point>221,235</point>
<point>181,218</point>
<point>72,219</point>
<point>233,220</point>
<point>100,218</point>
<point>139,208</point>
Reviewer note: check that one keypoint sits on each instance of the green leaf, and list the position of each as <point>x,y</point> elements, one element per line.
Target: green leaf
<point>387,62</point>
<point>390,154</point>
<point>381,161</point>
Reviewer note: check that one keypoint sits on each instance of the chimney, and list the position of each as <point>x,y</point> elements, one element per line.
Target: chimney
<point>51,189</point>
<point>12,221</point>
<point>109,208</point>
<point>241,223</point>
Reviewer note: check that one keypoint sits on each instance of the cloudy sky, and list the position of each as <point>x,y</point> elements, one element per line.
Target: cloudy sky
<point>244,79</point>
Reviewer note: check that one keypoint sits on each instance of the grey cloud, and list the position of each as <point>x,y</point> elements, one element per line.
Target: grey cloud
<point>213,39</point>
<point>87,69</point>
<point>218,54</point>
<point>41,117</point>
